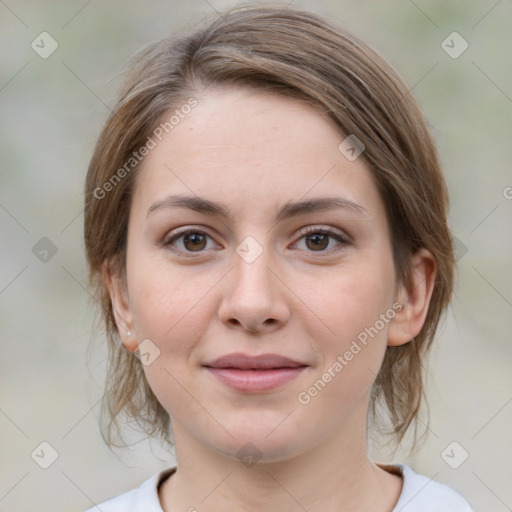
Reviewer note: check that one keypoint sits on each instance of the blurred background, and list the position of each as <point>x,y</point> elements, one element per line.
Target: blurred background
<point>60,71</point>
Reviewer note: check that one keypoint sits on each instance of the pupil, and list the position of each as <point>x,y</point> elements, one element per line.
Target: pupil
<point>196,240</point>
<point>319,238</point>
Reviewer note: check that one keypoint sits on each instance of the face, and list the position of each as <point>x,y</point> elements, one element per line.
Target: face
<point>306,284</point>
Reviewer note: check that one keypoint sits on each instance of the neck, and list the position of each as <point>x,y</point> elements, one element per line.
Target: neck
<point>335,475</point>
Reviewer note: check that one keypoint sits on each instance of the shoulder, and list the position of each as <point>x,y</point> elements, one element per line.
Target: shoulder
<point>423,494</point>
<point>142,499</point>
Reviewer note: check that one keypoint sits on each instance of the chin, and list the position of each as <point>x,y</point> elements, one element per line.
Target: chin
<point>251,445</point>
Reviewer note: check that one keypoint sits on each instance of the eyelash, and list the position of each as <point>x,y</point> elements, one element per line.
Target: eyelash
<point>304,233</point>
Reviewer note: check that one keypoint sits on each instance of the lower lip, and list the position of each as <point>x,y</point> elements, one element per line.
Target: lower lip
<point>256,380</point>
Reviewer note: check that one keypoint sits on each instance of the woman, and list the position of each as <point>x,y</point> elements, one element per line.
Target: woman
<point>266,230</point>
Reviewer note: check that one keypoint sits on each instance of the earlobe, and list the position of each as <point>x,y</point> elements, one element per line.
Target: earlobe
<point>120,306</point>
<point>415,300</point>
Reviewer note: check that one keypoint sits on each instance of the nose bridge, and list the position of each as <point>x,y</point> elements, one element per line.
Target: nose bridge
<point>253,263</point>
<point>252,297</point>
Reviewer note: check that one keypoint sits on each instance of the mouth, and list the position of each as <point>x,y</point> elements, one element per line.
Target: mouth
<point>253,374</point>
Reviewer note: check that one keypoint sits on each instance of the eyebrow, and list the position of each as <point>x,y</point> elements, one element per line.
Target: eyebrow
<point>288,210</point>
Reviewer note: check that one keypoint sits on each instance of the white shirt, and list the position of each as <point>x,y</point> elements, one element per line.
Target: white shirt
<point>419,494</point>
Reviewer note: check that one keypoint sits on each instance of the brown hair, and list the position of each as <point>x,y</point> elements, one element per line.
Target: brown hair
<point>296,53</point>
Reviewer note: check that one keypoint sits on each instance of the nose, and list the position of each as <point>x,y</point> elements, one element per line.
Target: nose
<point>254,296</point>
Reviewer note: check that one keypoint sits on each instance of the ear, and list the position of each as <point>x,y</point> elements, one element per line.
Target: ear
<point>414,299</point>
<point>121,306</point>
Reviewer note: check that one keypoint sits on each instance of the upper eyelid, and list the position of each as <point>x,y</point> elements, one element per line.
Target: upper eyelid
<point>309,227</point>
<point>329,229</point>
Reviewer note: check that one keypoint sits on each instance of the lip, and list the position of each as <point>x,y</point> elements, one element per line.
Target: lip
<point>246,373</point>
<point>241,361</point>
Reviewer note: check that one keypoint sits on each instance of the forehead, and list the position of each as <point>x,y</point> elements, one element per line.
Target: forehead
<point>254,151</point>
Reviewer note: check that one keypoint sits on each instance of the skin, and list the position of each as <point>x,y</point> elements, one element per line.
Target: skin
<point>255,151</point>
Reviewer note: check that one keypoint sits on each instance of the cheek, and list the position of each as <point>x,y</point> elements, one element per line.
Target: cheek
<point>165,297</point>
<point>356,308</point>
<point>170,308</point>
<point>355,301</point>
<point>352,356</point>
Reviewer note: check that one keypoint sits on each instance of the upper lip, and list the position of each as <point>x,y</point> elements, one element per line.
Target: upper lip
<point>247,362</point>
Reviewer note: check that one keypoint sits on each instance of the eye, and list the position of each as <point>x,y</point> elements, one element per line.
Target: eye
<point>317,239</point>
<point>194,240</point>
